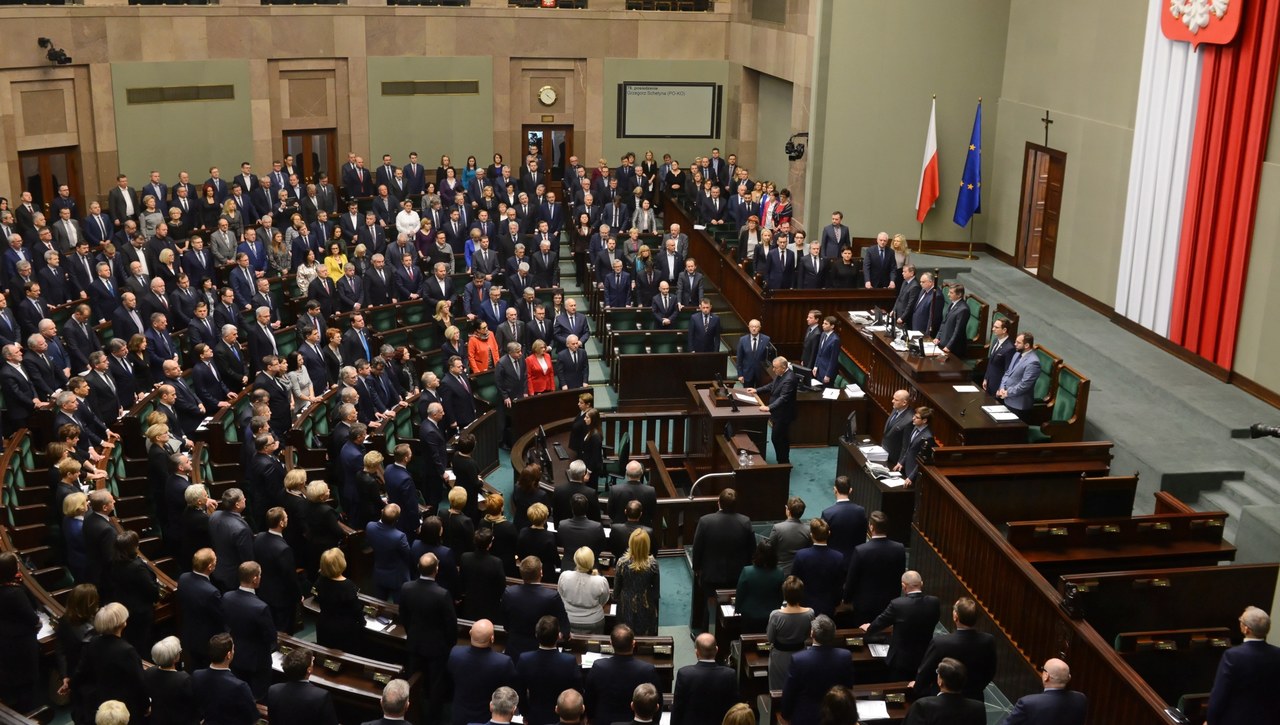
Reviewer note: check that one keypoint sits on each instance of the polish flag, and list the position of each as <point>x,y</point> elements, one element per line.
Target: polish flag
<point>928,192</point>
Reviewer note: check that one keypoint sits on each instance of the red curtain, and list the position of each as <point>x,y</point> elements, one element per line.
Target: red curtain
<point>1237,87</point>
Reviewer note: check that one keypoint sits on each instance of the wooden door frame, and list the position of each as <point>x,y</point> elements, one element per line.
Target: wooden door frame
<point>72,180</point>
<point>331,134</point>
<point>568,128</point>
<point>1054,155</point>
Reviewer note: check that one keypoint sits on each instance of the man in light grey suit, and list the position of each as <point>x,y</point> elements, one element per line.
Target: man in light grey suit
<point>1019,379</point>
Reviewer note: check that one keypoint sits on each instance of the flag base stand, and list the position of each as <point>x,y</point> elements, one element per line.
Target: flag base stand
<point>944,253</point>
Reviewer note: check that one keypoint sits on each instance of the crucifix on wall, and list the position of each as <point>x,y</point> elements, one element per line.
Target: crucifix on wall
<point>1047,122</point>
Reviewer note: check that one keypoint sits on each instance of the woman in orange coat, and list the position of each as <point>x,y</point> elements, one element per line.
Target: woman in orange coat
<point>482,349</point>
<point>539,369</point>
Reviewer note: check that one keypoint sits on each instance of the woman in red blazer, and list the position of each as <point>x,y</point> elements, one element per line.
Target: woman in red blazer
<point>540,371</point>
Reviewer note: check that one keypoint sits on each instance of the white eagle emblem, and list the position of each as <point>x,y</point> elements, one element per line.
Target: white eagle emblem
<point>1195,13</point>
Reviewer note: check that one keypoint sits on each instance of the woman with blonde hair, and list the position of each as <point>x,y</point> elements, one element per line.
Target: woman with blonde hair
<point>535,540</point>
<point>443,316</point>
<point>739,714</point>
<point>637,586</point>
<point>150,218</point>
<point>540,369</point>
<point>335,262</point>
<point>74,508</point>
<point>901,255</point>
<point>585,593</point>
<point>110,668</point>
<point>341,617</point>
<point>370,483</point>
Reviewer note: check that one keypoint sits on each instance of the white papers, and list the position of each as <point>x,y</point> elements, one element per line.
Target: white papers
<point>965,388</point>
<point>375,625</point>
<point>895,481</point>
<point>551,526</point>
<point>874,454</point>
<point>1000,413</point>
<point>700,227</point>
<point>277,661</point>
<point>610,609</point>
<point>728,610</point>
<point>853,391</point>
<point>830,394</point>
<point>589,658</point>
<point>930,349</point>
<point>815,383</point>
<point>878,650</point>
<point>876,328</point>
<point>873,710</point>
<point>745,398</point>
<point>46,625</point>
<point>607,532</point>
<point>899,345</point>
<point>861,315</point>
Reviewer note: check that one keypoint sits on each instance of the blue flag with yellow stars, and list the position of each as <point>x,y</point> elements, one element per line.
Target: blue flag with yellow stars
<point>969,202</point>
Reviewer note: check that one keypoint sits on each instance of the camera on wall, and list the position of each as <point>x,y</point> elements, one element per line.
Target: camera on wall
<point>795,149</point>
<point>57,56</point>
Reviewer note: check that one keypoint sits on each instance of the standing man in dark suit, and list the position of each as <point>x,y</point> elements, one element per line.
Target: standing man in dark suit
<point>391,557</point>
<point>848,521</point>
<point>819,566</point>
<point>827,360</point>
<point>571,364</point>
<point>455,395</point>
<point>949,706</point>
<point>1244,690</point>
<point>752,349</point>
<point>1017,387</point>
<point>722,546</point>
<point>665,307</point>
<point>1059,706</point>
<point>562,495</point>
<point>525,604</point>
<point>875,570</point>
<point>545,673</point>
<point>633,489</point>
<point>296,701</point>
<point>999,353</point>
<point>781,407</point>
<point>953,333</point>
<point>705,691</point>
<point>975,650</point>
<point>579,531</point>
<point>895,426</point>
<point>813,672</point>
<point>223,697</point>
<point>812,270</point>
<point>908,293</point>
<point>926,316</point>
<point>914,441</point>
<point>201,606</point>
<point>477,671</point>
<point>878,263</point>
<point>690,287</point>
<point>434,485</point>
<point>232,539</point>
<point>834,236</point>
<point>20,395</point>
<point>812,335</point>
<point>704,330</point>
<point>279,588</point>
<point>430,625</point>
<point>913,617</point>
<point>99,534</point>
<point>779,265</point>
<point>123,202</point>
<point>612,682</point>
<point>250,624</point>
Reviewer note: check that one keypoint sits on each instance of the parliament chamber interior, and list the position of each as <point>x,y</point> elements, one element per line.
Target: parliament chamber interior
<point>608,361</point>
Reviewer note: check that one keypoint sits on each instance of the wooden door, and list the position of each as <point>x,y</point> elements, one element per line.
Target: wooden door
<point>45,170</point>
<point>313,152</point>
<point>555,145</point>
<point>1043,170</point>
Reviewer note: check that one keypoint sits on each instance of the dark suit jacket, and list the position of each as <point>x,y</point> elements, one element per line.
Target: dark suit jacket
<point>231,365</point>
<point>704,692</point>
<point>562,499</point>
<point>848,522</point>
<point>1244,690</point>
<point>459,405</point>
<point>18,394</point>
<point>110,669</point>
<point>877,268</point>
<point>975,650</point>
<point>875,576</point>
<point>908,293</point>
<point>544,674</point>
<point>477,672</point>
<point>569,374</point>
<point>703,337</point>
<point>173,702</point>
<point>807,278</point>
<point>99,543</point>
<point>891,439</point>
<point>912,444</point>
<point>953,333</point>
<point>511,378</point>
<point>391,559</point>
<point>814,671</point>
<point>1060,707</point>
<point>782,403</point>
<point>250,624</point>
<point>300,703</point>
<point>623,493</point>
<point>946,709</point>
<point>722,545</point>
<point>524,605</point>
<point>201,606</point>
<point>609,688</point>
<point>997,364</point>
<point>233,543</point>
<point>820,568</point>
<point>574,533</point>
<point>926,315</point>
<point>279,586</point>
<point>430,622</point>
<point>224,698</point>
<point>913,617</point>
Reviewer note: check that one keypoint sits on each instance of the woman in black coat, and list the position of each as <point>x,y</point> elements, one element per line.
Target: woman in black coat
<point>73,633</point>
<point>504,533</point>
<point>110,668</point>
<point>537,541</point>
<point>467,473</point>
<point>528,491</point>
<point>134,585</point>
<point>323,528</point>
<point>173,701</point>
<point>593,447</point>
<point>19,626</point>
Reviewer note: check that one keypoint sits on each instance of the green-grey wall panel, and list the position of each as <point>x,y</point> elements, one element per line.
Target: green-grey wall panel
<point>773,124</point>
<point>456,125</point>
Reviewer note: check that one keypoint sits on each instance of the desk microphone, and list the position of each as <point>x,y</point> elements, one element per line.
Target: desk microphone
<point>962,410</point>
<point>733,402</point>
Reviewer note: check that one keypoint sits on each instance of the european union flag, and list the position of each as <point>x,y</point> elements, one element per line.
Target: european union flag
<point>969,202</point>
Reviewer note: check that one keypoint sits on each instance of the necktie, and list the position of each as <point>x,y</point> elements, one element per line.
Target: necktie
<point>363,343</point>
<point>107,379</point>
<point>706,322</point>
<point>495,310</point>
<point>753,344</point>
<point>214,370</point>
<point>617,279</point>
<point>102,227</point>
<point>513,329</point>
<point>464,383</point>
<point>573,356</point>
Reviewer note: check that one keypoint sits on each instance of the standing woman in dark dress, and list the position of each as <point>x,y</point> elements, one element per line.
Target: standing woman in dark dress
<point>341,617</point>
<point>846,273</point>
<point>536,540</point>
<point>134,585</point>
<point>332,353</point>
<point>504,533</point>
<point>208,211</point>
<point>459,529</point>
<point>369,487</point>
<point>173,702</point>
<point>110,668</point>
<point>527,493</point>
<point>637,586</point>
<point>578,430</point>
<point>593,447</point>
<point>467,475</point>
<point>72,635</point>
<point>323,528</point>
<point>19,625</point>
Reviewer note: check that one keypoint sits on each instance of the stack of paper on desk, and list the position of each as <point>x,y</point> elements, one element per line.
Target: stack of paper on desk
<point>875,454</point>
<point>872,710</point>
<point>1000,413</point>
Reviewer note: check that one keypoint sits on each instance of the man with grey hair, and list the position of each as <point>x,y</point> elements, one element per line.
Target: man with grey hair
<point>395,702</point>
<point>813,672</point>
<point>436,456</point>
<point>1061,706</point>
<point>232,539</point>
<point>569,707</point>
<point>262,341</point>
<point>633,489</point>
<point>41,369</point>
<point>1244,689</point>
<point>503,705</point>
<point>562,495</point>
<point>229,360</point>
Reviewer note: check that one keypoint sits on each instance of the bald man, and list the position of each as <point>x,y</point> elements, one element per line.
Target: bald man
<point>704,691</point>
<point>913,616</point>
<point>477,671</point>
<point>1056,705</point>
